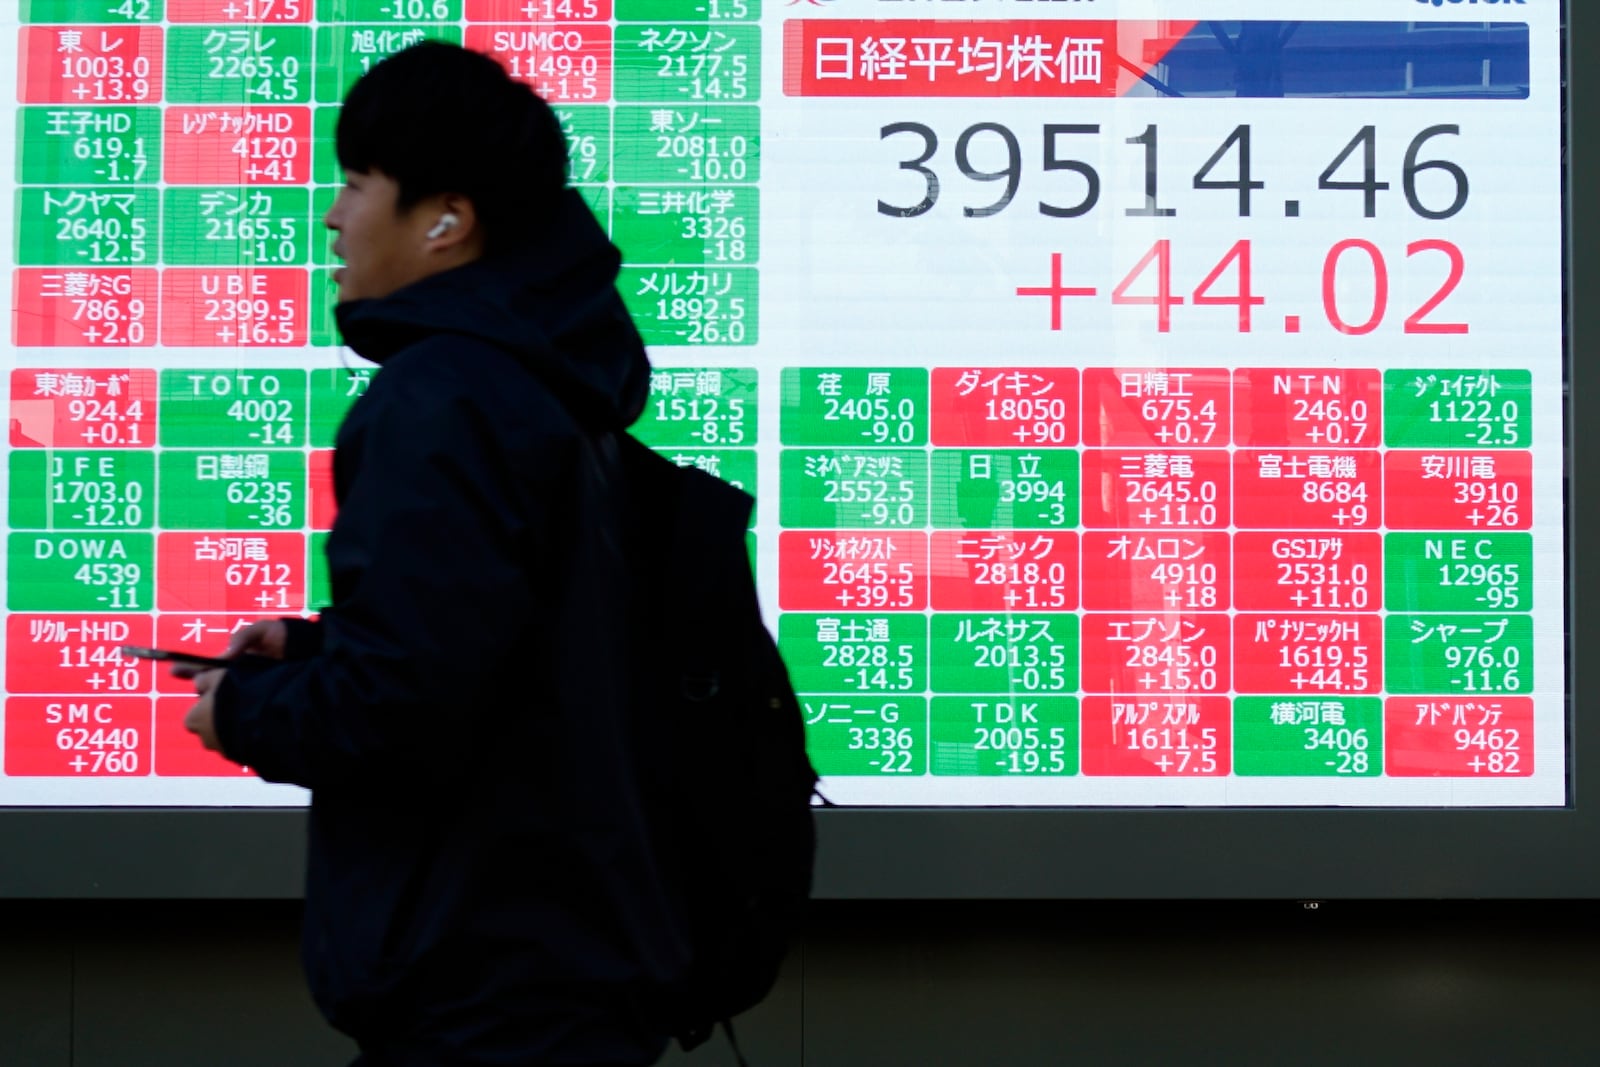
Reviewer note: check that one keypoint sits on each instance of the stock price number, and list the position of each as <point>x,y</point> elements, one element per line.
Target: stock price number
<point>1024,749</point>
<point>106,239</point>
<point>1236,148</point>
<point>1487,422</point>
<point>885,421</point>
<point>111,322</point>
<point>119,580</point>
<point>711,321</point>
<point>1499,584</point>
<point>1328,668</point>
<point>1347,747</point>
<point>1334,421</point>
<point>247,320</point>
<point>707,157</point>
<point>1175,750</point>
<point>870,666</point>
<point>1040,420</point>
<point>1028,586</point>
<point>1047,497</point>
<point>720,422</point>
<point>1178,421</point>
<point>1186,585</point>
<point>101,504</point>
<point>871,585</point>
<point>1030,668</point>
<point>887,503</point>
<point>1494,504</point>
<point>1495,751</point>
<point>1173,502</point>
<point>1171,667</point>
<point>107,79</point>
<point>1485,668</point>
<point>239,55</point>
<point>274,419</point>
<point>272,579</point>
<point>892,747</point>
<point>126,161</point>
<point>100,749</point>
<point>107,422</point>
<point>1327,586</point>
<point>273,501</point>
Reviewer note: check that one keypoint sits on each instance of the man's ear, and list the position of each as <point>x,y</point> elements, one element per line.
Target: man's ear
<point>455,226</point>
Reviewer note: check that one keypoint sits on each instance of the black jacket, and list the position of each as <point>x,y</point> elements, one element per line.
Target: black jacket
<point>480,889</point>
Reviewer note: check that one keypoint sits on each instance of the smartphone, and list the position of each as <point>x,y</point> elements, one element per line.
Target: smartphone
<point>174,656</point>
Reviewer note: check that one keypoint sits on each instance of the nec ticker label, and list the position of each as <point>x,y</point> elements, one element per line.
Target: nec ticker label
<point>1147,403</point>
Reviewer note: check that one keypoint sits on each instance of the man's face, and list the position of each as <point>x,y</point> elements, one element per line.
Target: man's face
<point>383,248</point>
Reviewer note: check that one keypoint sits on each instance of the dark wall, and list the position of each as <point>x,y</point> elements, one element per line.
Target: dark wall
<point>892,984</point>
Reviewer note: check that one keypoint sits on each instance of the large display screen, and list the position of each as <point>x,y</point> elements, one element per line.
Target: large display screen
<point>1148,402</point>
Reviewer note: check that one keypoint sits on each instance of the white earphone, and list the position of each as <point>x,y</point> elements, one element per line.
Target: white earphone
<point>446,223</point>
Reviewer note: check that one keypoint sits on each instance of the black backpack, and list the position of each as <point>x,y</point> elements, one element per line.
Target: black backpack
<point>719,738</point>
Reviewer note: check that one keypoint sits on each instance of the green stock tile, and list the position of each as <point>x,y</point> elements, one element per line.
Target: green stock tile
<point>1458,572</point>
<point>982,736</point>
<point>207,490</point>
<point>63,226</point>
<point>672,64</point>
<point>1005,489</point>
<point>211,227</point>
<point>345,52</point>
<point>699,407</point>
<point>854,406</point>
<point>239,64</point>
<point>231,408</point>
<point>1005,654</point>
<point>1458,655</point>
<point>713,226</point>
<point>60,572</point>
<point>870,654</point>
<point>1308,737</point>
<point>67,145</point>
<point>1480,408</point>
<point>842,488</point>
<point>866,734</point>
<point>705,143</point>
<point>87,490</point>
<point>692,305</point>
<point>588,131</point>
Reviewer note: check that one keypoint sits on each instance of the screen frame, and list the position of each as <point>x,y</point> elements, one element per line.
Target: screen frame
<point>1055,853</point>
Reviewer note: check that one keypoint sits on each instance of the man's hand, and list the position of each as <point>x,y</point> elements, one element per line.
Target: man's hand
<point>268,637</point>
<point>201,717</point>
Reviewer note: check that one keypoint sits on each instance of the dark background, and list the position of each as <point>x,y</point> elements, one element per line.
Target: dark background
<point>898,984</point>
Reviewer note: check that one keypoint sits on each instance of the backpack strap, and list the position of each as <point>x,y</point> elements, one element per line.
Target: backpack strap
<point>738,1056</point>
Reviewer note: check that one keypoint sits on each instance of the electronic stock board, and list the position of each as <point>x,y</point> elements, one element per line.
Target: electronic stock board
<point>1150,403</point>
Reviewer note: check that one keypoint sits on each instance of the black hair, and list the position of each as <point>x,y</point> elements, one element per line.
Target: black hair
<point>438,118</point>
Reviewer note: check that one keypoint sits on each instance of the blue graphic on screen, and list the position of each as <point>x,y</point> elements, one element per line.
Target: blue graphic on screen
<point>1417,60</point>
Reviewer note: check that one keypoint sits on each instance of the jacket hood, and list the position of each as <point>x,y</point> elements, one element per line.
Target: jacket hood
<point>554,305</point>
